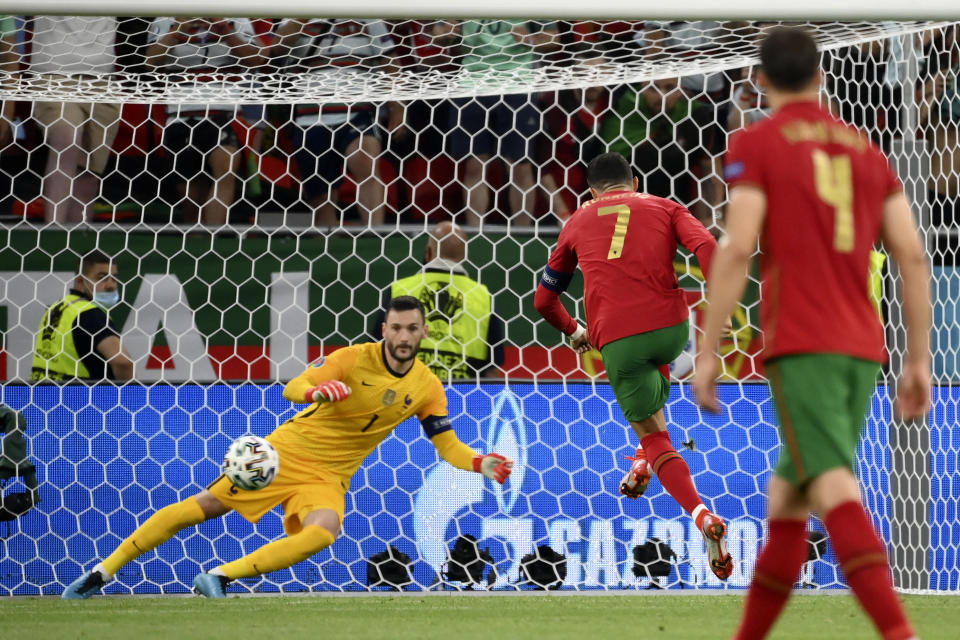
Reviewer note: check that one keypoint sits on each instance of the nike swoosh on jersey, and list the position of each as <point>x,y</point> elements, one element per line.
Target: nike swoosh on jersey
<point>367,384</point>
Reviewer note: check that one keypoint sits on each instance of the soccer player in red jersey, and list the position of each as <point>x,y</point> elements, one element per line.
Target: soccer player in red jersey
<point>817,195</point>
<point>625,243</point>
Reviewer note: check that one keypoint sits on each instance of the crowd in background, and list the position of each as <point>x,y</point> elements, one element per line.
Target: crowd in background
<point>516,158</point>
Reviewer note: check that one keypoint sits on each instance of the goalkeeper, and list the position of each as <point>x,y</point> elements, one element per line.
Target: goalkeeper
<point>357,396</point>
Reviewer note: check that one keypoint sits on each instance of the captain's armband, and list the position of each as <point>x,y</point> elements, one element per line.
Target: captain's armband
<point>555,280</point>
<point>435,425</point>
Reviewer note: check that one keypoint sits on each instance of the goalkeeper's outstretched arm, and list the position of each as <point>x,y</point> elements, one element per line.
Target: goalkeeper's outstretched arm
<point>492,465</point>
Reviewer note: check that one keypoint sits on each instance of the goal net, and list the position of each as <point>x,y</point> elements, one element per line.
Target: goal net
<point>261,183</point>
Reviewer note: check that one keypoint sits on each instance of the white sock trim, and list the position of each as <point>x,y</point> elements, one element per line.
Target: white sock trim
<point>698,510</point>
<point>103,572</point>
<point>578,332</point>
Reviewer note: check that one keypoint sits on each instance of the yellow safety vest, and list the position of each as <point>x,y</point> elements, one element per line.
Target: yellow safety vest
<point>876,280</point>
<point>56,357</point>
<point>458,319</point>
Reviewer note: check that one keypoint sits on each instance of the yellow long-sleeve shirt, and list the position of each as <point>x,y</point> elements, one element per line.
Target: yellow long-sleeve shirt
<point>336,437</point>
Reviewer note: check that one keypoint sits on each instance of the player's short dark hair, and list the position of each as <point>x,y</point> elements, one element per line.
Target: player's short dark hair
<point>92,259</point>
<point>789,58</point>
<point>405,303</point>
<point>609,170</point>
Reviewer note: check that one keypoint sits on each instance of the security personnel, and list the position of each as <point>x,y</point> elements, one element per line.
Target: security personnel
<point>464,336</point>
<point>75,340</point>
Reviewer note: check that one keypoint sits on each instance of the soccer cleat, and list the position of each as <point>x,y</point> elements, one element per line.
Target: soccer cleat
<point>89,583</point>
<point>211,586</point>
<point>715,533</point>
<point>634,484</point>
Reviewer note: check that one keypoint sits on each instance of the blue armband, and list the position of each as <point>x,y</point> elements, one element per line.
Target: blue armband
<point>555,280</point>
<point>435,425</point>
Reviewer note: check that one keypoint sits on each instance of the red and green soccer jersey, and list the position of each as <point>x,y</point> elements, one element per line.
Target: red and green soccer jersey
<point>825,185</point>
<point>625,243</point>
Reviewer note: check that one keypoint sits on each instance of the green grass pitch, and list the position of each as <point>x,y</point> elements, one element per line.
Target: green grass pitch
<point>453,616</point>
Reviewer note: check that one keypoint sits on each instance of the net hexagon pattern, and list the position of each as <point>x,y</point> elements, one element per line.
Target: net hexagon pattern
<point>261,183</point>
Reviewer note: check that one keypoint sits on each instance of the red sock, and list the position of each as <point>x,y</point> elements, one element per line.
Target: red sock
<point>863,559</point>
<point>774,575</point>
<point>672,470</point>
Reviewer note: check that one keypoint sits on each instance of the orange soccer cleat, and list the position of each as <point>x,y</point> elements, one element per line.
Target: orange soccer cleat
<point>715,533</point>
<point>634,484</point>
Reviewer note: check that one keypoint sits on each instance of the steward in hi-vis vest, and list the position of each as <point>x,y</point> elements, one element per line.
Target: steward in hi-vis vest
<point>75,340</point>
<point>57,356</point>
<point>464,336</point>
<point>458,321</point>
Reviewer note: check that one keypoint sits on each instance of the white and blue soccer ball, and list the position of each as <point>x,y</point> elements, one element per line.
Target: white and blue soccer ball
<point>251,463</point>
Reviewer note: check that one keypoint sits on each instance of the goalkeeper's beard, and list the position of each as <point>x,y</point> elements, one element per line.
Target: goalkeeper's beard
<point>392,348</point>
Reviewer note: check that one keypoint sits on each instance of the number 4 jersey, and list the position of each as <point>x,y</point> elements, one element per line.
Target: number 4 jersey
<point>625,243</point>
<point>826,185</point>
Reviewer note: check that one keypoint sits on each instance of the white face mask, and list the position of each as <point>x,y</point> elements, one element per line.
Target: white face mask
<point>106,299</point>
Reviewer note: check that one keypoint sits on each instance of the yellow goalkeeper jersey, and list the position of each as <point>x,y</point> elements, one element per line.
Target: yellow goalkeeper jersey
<point>335,437</point>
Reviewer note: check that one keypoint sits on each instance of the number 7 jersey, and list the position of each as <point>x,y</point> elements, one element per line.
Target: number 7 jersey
<point>826,186</point>
<point>625,243</point>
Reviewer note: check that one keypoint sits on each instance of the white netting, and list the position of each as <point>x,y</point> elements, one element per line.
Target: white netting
<point>306,59</point>
<point>399,125</point>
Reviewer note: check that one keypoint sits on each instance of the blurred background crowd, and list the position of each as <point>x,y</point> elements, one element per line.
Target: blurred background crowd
<point>497,158</point>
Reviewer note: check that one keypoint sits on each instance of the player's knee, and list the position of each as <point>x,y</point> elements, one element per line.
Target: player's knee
<point>329,519</point>
<point>209,504</point>
<point>317,537</point>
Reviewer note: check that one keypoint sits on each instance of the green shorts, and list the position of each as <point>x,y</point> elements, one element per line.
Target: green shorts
<point>632,367</point>
<point>822,400</point>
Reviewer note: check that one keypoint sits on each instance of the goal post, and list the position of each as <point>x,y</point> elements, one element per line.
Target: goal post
<point>265,181</point>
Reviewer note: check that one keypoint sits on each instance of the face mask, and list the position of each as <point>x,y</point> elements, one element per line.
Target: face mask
<point>106,299</point>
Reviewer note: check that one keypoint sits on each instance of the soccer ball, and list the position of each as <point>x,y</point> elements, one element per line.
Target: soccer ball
<point>251,463</point>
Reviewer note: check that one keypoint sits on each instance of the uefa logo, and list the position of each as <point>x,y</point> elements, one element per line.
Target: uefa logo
<point>507,436</point>
<point>447,492</point>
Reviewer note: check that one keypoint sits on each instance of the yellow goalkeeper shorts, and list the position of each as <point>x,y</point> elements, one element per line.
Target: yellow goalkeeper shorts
<point>299,487</point>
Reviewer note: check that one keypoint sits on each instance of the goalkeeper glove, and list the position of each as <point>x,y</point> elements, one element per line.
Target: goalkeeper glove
<point>494,466</point>
<point>329,391</point>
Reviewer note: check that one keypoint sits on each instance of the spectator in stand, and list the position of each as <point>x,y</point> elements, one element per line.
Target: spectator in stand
<point>76,340</point>
<point>325,138</point>
<point>464,335</point>
<point>856,81</point>
<point>748,104</point>
<point>498,125</point>
<point>680,39</point>
<point>427,175</point>
<point>202,138</point>
<point>939,119</point>
<point>571,122</point>
<point>616,39</point>
<point>425,47</point>
<point>9,63</point>
<point>674,142</point>
<point>70,52</point>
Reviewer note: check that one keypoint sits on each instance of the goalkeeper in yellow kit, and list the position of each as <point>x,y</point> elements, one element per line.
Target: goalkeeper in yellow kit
<point>357,395</point>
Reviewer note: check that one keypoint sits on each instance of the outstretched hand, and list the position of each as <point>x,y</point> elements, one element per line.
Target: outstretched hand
<point>494,466</point>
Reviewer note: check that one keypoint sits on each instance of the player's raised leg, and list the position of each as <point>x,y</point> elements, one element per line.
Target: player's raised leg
<point>158,528</point>
<point>658,455</point>
<point>641,389</point>
<point>314,513</point>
